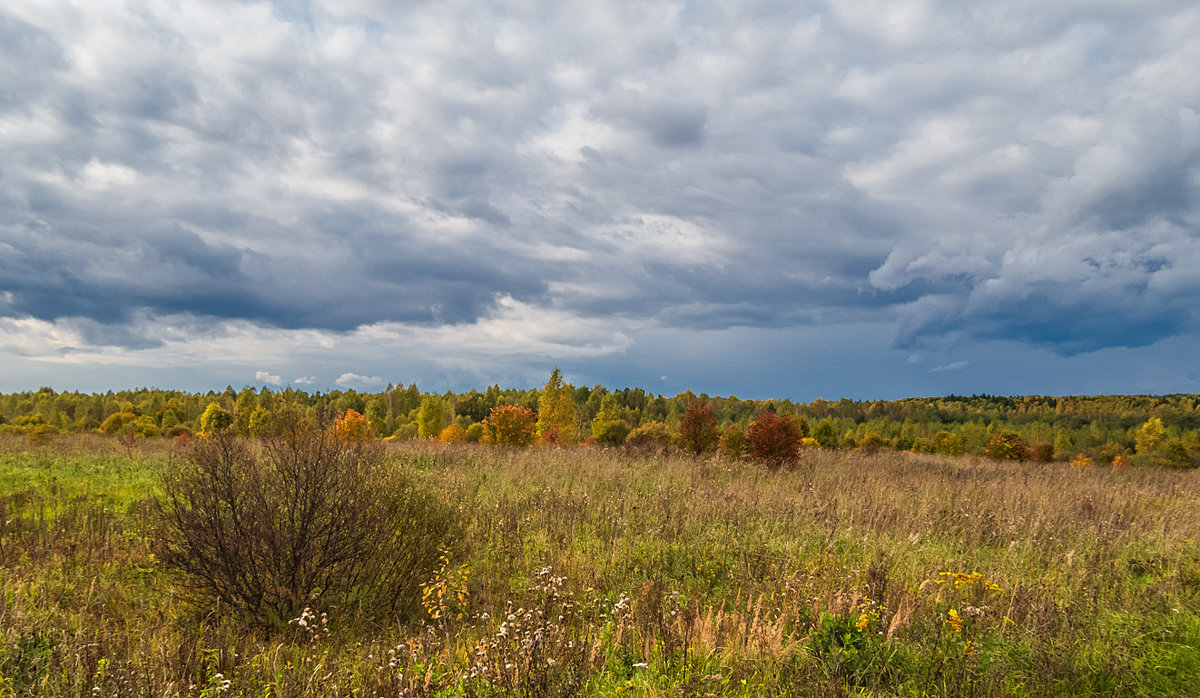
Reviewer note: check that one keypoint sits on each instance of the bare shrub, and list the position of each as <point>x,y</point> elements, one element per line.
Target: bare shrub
<point>306,516</point>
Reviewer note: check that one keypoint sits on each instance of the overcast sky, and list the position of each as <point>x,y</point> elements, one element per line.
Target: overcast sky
<point>870,199</point>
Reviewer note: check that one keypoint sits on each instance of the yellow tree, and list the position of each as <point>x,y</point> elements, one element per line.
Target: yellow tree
<point>1150,436</point>
<point>556,412</point>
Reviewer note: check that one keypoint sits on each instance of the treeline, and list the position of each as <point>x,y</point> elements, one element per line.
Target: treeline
<point>1102,429</point>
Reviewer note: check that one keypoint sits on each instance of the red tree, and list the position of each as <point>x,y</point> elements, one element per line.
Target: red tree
<point>698,431</point>
<point>773,440</point>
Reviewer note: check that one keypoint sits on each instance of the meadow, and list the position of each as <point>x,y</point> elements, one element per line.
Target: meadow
<point>601,572</point>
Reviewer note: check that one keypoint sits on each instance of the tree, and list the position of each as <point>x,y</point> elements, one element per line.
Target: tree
<point>352,427</point>
<point>608,427</point>
<point>556,411</point>
<point>215,419</point>
<point>431,417</point>
<point>773,440</point>
<point>1150,437</point>
<point>698,432</point>
<point>510,425</point>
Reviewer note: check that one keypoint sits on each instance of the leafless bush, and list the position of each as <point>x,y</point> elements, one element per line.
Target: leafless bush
<point>302,519</point>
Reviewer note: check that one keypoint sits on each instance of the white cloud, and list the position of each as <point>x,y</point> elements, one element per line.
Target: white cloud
<point>955,366</point>
<point>305,380</point>
<point>353,380</point>
<point>268,378</point>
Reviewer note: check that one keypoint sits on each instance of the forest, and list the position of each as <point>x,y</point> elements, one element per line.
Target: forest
<point>1099,429</point>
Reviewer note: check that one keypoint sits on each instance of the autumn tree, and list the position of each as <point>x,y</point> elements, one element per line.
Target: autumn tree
<point>556,412</point>
<point>215,419</point>
<point>452,434</point>
<point>773,440</point>
<point>353,426</point>
<point>698,432</point>
<point>1150,437</point>
<point>510,425</point>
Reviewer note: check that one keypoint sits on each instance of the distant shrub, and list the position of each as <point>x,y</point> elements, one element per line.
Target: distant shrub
<point>1082,461</point>
<point>145,428</point>
<point>475,433</point>
<point>948,443</point>
<point>698,432</point>
<point>871,443</point>
<point>453,434</point>
<point>733,441</point>
<point>923,444</point>
<point>1005,445</point>
<point>1042,452</point>
<point>510,425</point>
<point>118,422</point>
<point>611,433</point>
<point>406,432</point>
<point>773,440</point>
<point>1178,454</point>
<point>650,437</point>
<point>826,434</point>
<point>40,433</point>
<point>307,518</point>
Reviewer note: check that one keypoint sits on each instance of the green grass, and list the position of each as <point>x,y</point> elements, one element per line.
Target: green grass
<point>673,576</point>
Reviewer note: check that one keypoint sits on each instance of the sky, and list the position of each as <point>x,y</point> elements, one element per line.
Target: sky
<point>775,198</point>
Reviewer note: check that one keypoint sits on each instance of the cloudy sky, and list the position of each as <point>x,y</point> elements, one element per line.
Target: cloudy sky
<point>868,199</point>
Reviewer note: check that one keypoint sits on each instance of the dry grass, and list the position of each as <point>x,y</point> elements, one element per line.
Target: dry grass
<point>676,577</point>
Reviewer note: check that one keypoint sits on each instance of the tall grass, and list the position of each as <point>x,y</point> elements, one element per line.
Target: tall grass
<point>593,572</point>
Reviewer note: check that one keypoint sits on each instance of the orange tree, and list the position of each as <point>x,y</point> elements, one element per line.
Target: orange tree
<point>772,440</point>
<point>353,426</point>
<point>510,425</point>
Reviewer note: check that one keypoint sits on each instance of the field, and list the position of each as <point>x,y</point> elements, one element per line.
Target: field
<point>584,571</point>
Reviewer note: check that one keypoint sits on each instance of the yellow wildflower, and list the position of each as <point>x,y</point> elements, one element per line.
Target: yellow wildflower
<point>954,621</point>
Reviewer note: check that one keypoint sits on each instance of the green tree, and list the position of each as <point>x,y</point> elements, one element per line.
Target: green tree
<point>431,417</point>
<point>608,428</point>
<point>556,411</point>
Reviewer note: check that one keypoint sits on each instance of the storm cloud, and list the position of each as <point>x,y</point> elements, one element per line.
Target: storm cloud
<point>951,175</point>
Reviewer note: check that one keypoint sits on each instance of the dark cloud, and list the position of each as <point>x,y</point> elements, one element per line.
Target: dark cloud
<point>1019,171</point>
